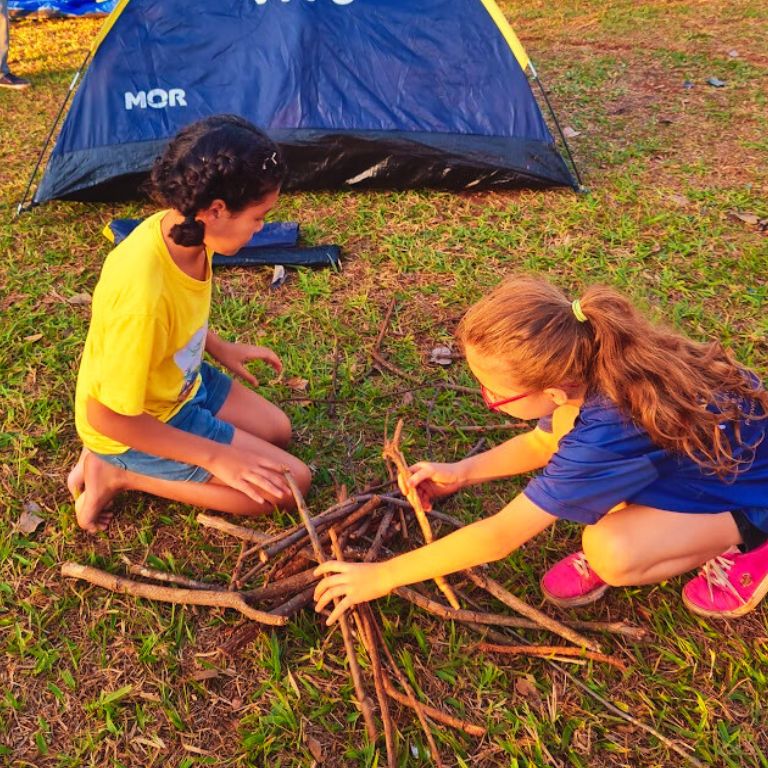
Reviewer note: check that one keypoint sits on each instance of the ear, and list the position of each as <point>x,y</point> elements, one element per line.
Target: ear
<point>215,210</point>
<point>557,395</point>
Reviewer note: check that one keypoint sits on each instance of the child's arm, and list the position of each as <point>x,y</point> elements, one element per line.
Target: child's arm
<point>482,542</point>
<point>233,356</point>
<point>523,453</point>
<point>248,473</point>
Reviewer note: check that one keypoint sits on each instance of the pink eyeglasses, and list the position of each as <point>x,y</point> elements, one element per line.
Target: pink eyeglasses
<point>495,405</point>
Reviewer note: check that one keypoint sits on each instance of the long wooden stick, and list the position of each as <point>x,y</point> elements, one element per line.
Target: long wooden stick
<point>287,586</point>
<point>378,539</point>
<point>413,702</point>
<point>278,543</point>
<point>169,578</point>
<point>435,714</point>
<point>500,620</point>
<point>363,702</point>
<point>546,622</point>
<point>125,586</point>
<point>549,651</point>
<point>238,531</point>
<point>296,603</point>
<point>395,455</point>
<point>365,632</point>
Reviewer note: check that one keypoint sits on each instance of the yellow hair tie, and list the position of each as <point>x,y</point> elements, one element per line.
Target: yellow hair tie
<point>578,311</point>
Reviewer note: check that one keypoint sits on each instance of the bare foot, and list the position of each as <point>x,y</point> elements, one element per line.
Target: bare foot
<point>102,482</point>
<point>76,477</point>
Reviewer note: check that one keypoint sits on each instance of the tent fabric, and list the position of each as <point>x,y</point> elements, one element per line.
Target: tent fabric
<point>61,7</point>
<point>358,93</point>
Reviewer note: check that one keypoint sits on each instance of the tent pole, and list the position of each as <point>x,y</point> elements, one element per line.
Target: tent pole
<point>21,206</point>
<point>579,187</point>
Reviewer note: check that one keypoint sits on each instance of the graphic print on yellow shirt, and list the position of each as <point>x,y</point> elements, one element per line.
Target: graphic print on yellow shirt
<point>147,335</point>
<point>189,359</point>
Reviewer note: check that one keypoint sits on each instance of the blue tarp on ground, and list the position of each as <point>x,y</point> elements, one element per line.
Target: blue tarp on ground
<point>359,93</point>
<point>61,7</point>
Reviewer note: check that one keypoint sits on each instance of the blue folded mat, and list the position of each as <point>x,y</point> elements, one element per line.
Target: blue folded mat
<point>274,244</point>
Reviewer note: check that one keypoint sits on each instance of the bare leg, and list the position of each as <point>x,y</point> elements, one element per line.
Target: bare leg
<point>642,545</point>
<point>103,481</point>
<point>251,413</point>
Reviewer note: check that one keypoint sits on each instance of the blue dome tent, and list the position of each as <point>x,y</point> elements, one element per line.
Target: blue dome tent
<point>358,93</point>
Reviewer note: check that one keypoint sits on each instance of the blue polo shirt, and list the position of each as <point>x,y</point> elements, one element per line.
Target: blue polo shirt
<point>606,459</point>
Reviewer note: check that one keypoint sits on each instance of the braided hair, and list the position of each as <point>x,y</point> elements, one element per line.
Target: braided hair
<point>223,157</point>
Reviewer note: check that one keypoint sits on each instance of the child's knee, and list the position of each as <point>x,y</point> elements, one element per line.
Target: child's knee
<point>609,553</point>
<point>280,432</point>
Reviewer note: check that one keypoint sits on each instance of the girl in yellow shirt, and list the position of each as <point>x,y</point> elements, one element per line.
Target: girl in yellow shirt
<point>152,414</point>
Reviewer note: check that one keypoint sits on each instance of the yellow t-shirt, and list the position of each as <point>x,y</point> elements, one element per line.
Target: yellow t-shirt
<point>147,336</point>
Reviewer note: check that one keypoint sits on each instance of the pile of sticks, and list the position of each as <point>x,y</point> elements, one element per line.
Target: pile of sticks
<point>273,579</point>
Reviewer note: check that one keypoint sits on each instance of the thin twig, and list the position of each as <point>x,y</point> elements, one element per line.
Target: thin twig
<point>384,325</point>
<point>170,578</point>
<point>551,650</point>
<point>481,428</point>
<point>378,539</point>
<point>238,531</point>
<point>435,714</point>
<point>394,454</point>
<point>413,702</point>
<point>233,579</point>
<point>334,376</point>
<point>296,603</point>
<point>365,632</point>
<point>516,604</point>
<point>285,586</point>
<point>363,701</point>
<point>499,620</point>
<point>218,598</point>
<point>617,711</point>
<point>392,368</point>
<point>379,680</point>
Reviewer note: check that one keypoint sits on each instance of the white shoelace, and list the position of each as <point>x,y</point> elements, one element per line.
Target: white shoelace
<point>716,573</point>
<point>581,565</point>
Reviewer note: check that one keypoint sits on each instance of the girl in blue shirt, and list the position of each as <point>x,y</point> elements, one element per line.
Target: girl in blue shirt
<point>665,433</point>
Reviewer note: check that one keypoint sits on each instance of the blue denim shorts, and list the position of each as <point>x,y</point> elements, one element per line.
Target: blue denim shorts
<point>198,417</point>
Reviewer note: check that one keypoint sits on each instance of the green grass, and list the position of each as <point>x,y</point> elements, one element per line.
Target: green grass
<point>95,679</point>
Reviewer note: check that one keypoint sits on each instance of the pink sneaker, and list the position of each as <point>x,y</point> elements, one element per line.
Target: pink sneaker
<point>572,582</point>
<point>730,585</point>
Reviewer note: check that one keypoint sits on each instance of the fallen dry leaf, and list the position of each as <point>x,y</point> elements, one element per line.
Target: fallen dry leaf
<point>441,356</point>
<point>300,385</point>
<point>314,747</point>
<point>80,298</point>
<point>29,521</point>
<point>748,218</point>
<point>528,690</point>
<point>34,337</point>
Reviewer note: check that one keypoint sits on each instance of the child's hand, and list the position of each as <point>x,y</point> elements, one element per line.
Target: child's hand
<point>252,475</point>
<point>352,582</point>
<point>432,480</point>
<point>233,356</point>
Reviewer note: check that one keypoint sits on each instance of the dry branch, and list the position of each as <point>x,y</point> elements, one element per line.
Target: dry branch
<point>544,621</point>
<point>549,651</point>
<point>394,454</point>
<point>435,714</point>
<point>238,531</point>
<point>370,640</point>
<point>413,702</point>
<point>363,701</point>
<point>170,578</point>
<point>499,620</point>
<point>220,599</point>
